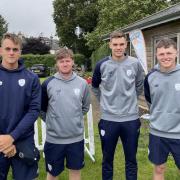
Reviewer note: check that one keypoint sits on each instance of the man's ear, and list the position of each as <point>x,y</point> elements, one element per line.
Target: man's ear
<point>110,44</point>
<point>177,54</point>
<point>0,51</point>
<point>126,44</point>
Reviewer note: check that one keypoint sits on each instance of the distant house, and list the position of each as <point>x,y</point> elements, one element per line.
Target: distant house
<point>53,43</point>
<point>165,23</point>
<point>50,41</point>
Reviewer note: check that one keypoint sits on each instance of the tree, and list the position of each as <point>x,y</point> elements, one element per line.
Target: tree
<point>67,15</point>
<point>173,1</point>
<point>35,46</point>
<point>116,14</point>
<point>3,26</point>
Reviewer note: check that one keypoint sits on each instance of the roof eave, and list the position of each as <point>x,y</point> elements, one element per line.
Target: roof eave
<point>164,16</point>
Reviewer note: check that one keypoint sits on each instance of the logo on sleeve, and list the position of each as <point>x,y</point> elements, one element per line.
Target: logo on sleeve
<point>1,83</point>
<point>21,82</point>
<point>177,87</point>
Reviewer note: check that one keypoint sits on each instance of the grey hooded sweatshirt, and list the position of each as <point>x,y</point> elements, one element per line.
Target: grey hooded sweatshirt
<point>117,84</point>
<point>65,102</point>
<point>162,92</point>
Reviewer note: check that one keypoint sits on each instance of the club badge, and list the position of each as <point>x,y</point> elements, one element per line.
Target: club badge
<point>129,72</point>
<point>77,91</point>
<point>177,87</point>
<point>21,82</point>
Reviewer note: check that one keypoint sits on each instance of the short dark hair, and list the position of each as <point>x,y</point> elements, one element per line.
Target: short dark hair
<point>117,34</point>
<point>13,37</point>
<point>166,43</point>
<point>63,53</point>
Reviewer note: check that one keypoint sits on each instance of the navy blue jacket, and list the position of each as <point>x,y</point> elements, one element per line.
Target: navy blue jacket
<point>20,101</point>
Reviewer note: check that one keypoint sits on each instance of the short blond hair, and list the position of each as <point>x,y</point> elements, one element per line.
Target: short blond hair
<point>13,37</point>
<point>63,53</point>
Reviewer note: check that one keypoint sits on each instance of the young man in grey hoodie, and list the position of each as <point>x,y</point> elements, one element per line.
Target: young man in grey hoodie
<point>162,92</point>
<point>117,82</point>
<point>65,99</point>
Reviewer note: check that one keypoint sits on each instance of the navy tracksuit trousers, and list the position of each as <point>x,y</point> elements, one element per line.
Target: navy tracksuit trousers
<point>129,133</point>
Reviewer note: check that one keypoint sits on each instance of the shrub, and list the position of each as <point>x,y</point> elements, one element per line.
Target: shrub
<point>48,59</point>
<point>31,59</point>
<point>79,59</point>
<point>100,53</point>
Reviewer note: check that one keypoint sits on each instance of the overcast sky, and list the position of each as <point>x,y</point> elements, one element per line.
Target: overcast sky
<point>31,17</point>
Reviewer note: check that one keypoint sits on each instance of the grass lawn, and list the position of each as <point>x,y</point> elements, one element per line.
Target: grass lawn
<point>92,171</point>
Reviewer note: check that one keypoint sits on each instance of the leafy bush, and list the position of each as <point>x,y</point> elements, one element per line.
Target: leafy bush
<point>79,59</point>
<point>35,46</point>
<point>48,59</point>
<point>100,53</point>
<point>31,59</point>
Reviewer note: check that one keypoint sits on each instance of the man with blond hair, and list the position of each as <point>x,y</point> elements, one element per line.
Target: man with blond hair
<point>20,95</point>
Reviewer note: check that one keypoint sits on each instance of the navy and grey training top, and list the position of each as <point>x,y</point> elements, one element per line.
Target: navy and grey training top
<point>65,102</point>
<point>117,84</point>
<point>162,92</point>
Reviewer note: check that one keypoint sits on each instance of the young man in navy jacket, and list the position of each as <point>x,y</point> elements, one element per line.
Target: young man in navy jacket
<point>20,95</point>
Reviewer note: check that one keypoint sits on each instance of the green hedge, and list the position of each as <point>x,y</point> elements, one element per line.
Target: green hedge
<point>100,53</point>
<point>48,59</point>
<point>31,59</point>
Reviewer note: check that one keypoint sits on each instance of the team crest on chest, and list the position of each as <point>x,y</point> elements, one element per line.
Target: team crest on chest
<point>76,91</point>
<point>128,72</point>
<point>177,87</point>
<point>21,82</point>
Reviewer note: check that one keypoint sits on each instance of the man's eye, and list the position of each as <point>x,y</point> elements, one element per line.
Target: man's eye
<point>13,49</point>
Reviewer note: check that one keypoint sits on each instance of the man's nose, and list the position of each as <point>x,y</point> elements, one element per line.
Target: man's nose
<point>166,56</point>
<point>11,51</point>
<point>118,47</point>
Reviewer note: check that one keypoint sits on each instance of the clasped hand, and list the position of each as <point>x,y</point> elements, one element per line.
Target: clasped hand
<point>6,145</point>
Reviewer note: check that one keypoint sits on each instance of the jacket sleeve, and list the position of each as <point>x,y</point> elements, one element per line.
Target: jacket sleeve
<point>86,100</point>
<point>44,97</point>
<point>32,113</point>
<point>96,80</point>
<point>147,90</point>
<point>139,80</point>
<point>44,100</point>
